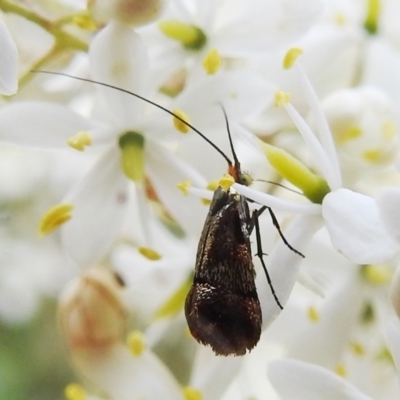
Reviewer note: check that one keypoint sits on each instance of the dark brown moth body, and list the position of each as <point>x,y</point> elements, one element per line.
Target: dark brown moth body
<point>222,308</point>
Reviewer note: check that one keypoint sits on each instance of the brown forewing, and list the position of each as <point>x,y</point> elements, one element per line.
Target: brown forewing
<point>222,307</point>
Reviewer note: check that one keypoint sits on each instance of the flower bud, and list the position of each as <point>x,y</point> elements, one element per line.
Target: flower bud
<point>91,313</point>
<point>131,12</point>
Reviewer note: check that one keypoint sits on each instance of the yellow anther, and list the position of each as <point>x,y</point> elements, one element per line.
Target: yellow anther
<point>281,98</point>
<point>136,343</point>
<point>341,370</point>
<point>351,133</point>
<point>150,254</point>
<point>54,218</point>
<point>377,274</point>
<point>357,348</point>
<point>176,302</point>
<point>179,125</point>
<point>291,57</point>
<point>313,186</point>
<point>212,62</point>
<point>190,36</point>
<point>191,393</point>
<point>132,155</point>
<point>79,141</point>
<point>75,392</point>
<point>184,187</point>
<point>374,156</point>
<point>340,18</point>
<point>212,185</point>
<point>226,181</point>
<point>389,130</point>
<point>372,18</point>
<point>313,314</point>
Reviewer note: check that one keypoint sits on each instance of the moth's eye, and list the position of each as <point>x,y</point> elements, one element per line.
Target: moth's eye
<point>246,179</point>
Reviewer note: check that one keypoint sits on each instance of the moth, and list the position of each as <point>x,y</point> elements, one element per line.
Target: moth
<point>222,307</point>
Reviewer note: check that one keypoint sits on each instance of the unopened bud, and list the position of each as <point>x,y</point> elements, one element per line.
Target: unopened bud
<point>91,313</point>
<point>131,12</point>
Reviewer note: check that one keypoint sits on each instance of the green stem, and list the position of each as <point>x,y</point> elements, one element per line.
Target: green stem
<point>62,38</point>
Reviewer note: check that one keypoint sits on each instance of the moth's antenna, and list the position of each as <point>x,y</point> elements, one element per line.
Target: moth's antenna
<point>147,101</point>
<point>234,170</point>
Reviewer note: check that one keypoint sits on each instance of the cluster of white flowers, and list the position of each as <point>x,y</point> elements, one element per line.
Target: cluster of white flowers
<point>103,195</point>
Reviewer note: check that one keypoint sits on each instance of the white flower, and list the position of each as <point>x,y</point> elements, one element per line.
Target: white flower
<point>232,28</point>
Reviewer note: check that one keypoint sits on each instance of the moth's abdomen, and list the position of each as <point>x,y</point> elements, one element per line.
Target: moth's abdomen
<point>228,322</point>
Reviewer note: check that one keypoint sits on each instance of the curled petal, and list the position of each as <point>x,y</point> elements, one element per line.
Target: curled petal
<point>355,228</point>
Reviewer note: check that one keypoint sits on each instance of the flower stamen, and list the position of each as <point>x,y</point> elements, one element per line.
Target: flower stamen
<point>79,141</point>
<point>54,218</point>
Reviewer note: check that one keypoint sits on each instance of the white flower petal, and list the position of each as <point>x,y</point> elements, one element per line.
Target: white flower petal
<point>393,341</point>
<point>339,313</point>
<point>100,201</point>
<point>324,131</point>
<point>41,124</point>
<point>322,163</point>
<point>283,266</point>
<point>276,203</point>
<point>296,380</point>
<point>125,377</point>
<point>207,366</point>
<point>266,25</point>
<point>355,228</point>
<point>388,203</point>
<point>8,62</point>
<point>118,57</point>
<point>166,171</point>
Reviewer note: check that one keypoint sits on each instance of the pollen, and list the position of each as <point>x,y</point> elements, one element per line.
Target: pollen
<point>341,370</point>
<point>313,314</point>
<point>79,141</point>
<point>54,218</point>
<point>191,393</point>
<point>212,62</point>
<point>180,126</point>
<point>75,392</point>
<point>132,155</point>
<point>291,57</point>
<point>184,187</point>
<point>281,98</point>
<point>136,343</point>
<point>191,37</point>
<point>226,182</point>
<point>377,274</point>
<point>150,254</point>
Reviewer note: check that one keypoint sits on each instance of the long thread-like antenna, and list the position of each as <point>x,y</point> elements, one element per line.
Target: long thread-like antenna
<point>149,102</point>
<point>235,169</point>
